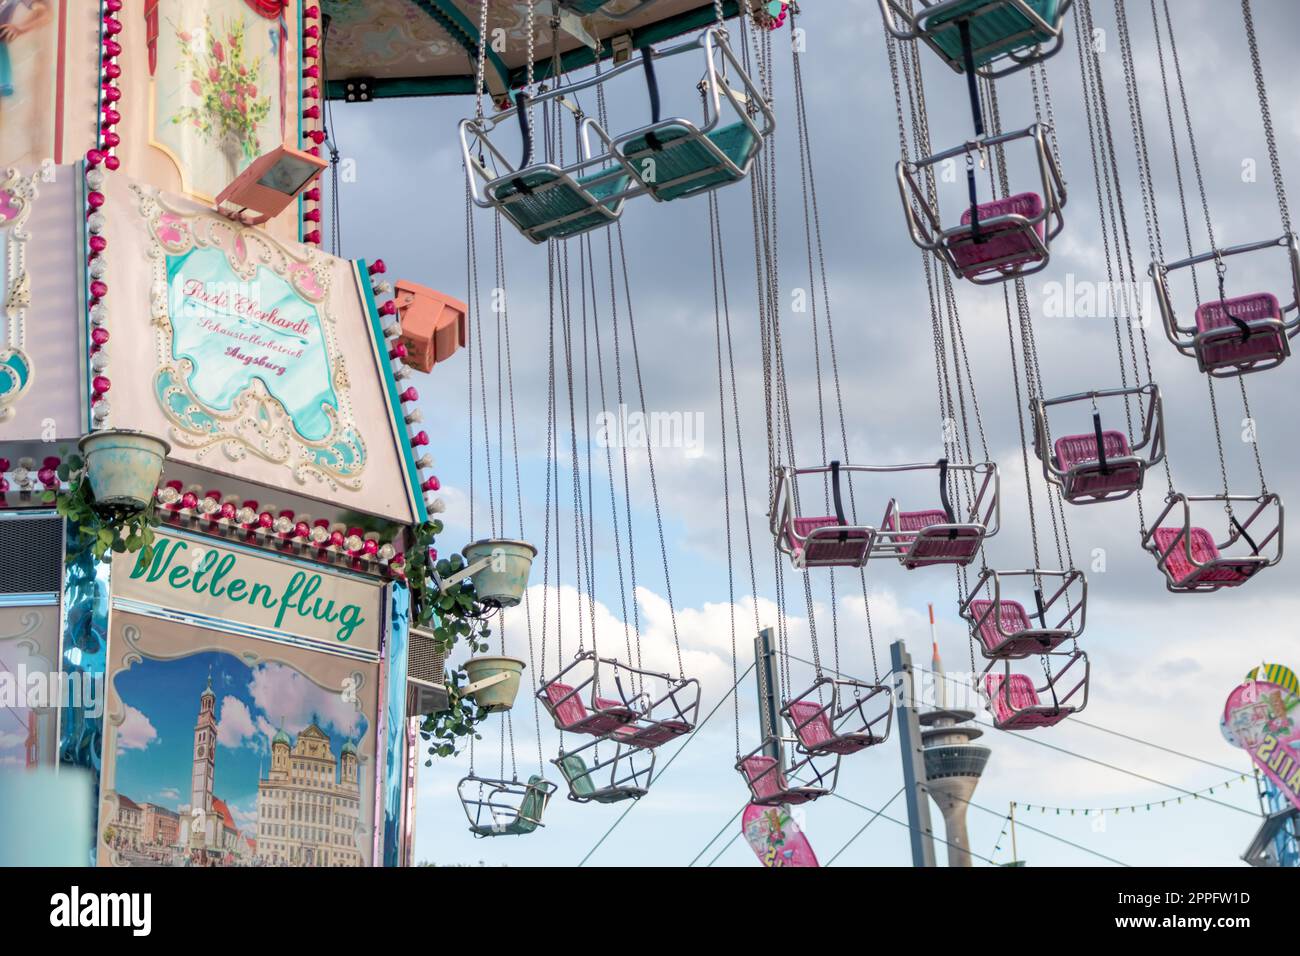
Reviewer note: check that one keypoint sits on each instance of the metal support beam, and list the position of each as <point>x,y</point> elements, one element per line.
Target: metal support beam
<point>909,738</point>
<point>768,692</point>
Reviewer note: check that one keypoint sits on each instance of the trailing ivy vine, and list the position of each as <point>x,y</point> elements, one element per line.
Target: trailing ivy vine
<point>101,532</point>
<point>452,616</point>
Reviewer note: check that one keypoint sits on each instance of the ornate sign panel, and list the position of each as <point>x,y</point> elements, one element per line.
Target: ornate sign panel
<point>248,361</point>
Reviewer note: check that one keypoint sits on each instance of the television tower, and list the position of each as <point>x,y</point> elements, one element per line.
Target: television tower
<point>953,764</point>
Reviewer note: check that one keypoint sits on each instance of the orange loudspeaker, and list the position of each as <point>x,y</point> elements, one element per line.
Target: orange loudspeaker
<point>434,325</point>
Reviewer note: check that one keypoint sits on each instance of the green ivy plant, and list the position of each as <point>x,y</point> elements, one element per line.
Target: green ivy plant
<point>101,533</point>
<point>453,616</point>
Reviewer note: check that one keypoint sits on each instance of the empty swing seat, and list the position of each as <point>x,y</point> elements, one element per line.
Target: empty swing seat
<point>1207,570</point>
<point>1076,455</point>
<point>529,818</point>
<point>1003,246</point>
<point>583,790</point>
<point>817,735</point>
<point>816,542</point>
<point>686,163</point>
<point>1017,636</point>
<point>997,28</point>
<point>572,715</point>
<point>1018,707</point>
<point>544,204</point>
<point>769,786</point>
<point>937,540</point>
<point>1220,342</point>
<point>652,734</point>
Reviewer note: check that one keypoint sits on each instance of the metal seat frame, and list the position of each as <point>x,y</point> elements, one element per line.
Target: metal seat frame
<point>1192,342</point>
<point>927,230</point>
<point>1015,645</point>
<point>503,803</point>
<point>647,725</point>
<point>861,729</point>
<point>1249,565</point>
<point>983,516</point>
<point>919,28</point>
<point>825,771</point>
<point>1152,442</point>
<point>1058,708</point>
<point>611,163</point>
<point>631,771</point>
<point>715,88</point>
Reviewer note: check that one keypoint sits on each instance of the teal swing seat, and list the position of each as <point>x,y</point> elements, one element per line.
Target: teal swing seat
<point>1019,31</point>
<point>686,163</point>
<point>625,776</point>
<point>505,807</point>
<point>667,159</point>
<point>545,203</point>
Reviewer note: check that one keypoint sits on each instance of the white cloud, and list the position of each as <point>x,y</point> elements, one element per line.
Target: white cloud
<point>136,731</point>
<point>236,725</point>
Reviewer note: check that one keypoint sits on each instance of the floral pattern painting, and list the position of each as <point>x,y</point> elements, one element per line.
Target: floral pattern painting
<point>219,88</point>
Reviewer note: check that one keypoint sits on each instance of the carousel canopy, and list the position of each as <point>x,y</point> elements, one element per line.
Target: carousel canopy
<point>379,48</point>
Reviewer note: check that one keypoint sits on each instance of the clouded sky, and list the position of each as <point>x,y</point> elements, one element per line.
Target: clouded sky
<point>1162,664</point>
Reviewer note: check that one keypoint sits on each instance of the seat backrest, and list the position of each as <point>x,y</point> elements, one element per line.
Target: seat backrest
<point>1028,205</point>
<point>534,802</point>
<point>765,781</point>
<point>571,711</point>
<point>1203,549</point>
<point>814,726</point>
<point>574,769</point>
<point>919,520</point>
<point>1073,450</point>
<point>1010,615</point>
<point>1020,692</point>
<point>1248,308</point>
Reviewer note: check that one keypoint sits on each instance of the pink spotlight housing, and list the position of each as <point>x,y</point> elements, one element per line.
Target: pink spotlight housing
<point>271,182</point>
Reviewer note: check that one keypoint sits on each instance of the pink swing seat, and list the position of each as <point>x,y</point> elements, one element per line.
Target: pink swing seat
<point>654,734</point>
<point>1019,707</point>
<point>768,783</point>
<point>1216,571</point>
<point>937,541</point>
<point>612,716</point>
<point>1004,246</point>
<point>815,732</point>
<point>1025,639</point>
<point>1219,341</point>
<point>827,549</point>
<point>1076,455</point>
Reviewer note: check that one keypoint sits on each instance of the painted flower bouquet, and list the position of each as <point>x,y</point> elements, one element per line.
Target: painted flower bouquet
<point>227,82</point>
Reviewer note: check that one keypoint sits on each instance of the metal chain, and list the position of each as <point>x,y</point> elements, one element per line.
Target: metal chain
<point>1266,115</point>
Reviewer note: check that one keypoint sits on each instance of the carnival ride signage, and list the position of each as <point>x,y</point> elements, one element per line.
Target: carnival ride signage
<point>273,596</point>
<point>248,357</point>
<point>1261,718</point>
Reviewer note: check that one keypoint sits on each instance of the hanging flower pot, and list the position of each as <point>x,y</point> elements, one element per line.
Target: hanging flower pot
<point>123,467</point>
<point>493,681</point>
<point>501,581</point>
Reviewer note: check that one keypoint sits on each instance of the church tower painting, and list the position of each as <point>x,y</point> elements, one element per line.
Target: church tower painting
<point>205,751</point>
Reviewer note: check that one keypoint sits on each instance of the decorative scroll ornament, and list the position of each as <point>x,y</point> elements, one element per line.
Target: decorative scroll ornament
<point>17,193</point>
<point>248,358</point>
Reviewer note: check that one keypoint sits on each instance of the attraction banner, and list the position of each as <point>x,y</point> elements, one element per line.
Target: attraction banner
<point>275,597</point>
<point>775,838</point>
<point>1260,717</point>
<point>227,750</point>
